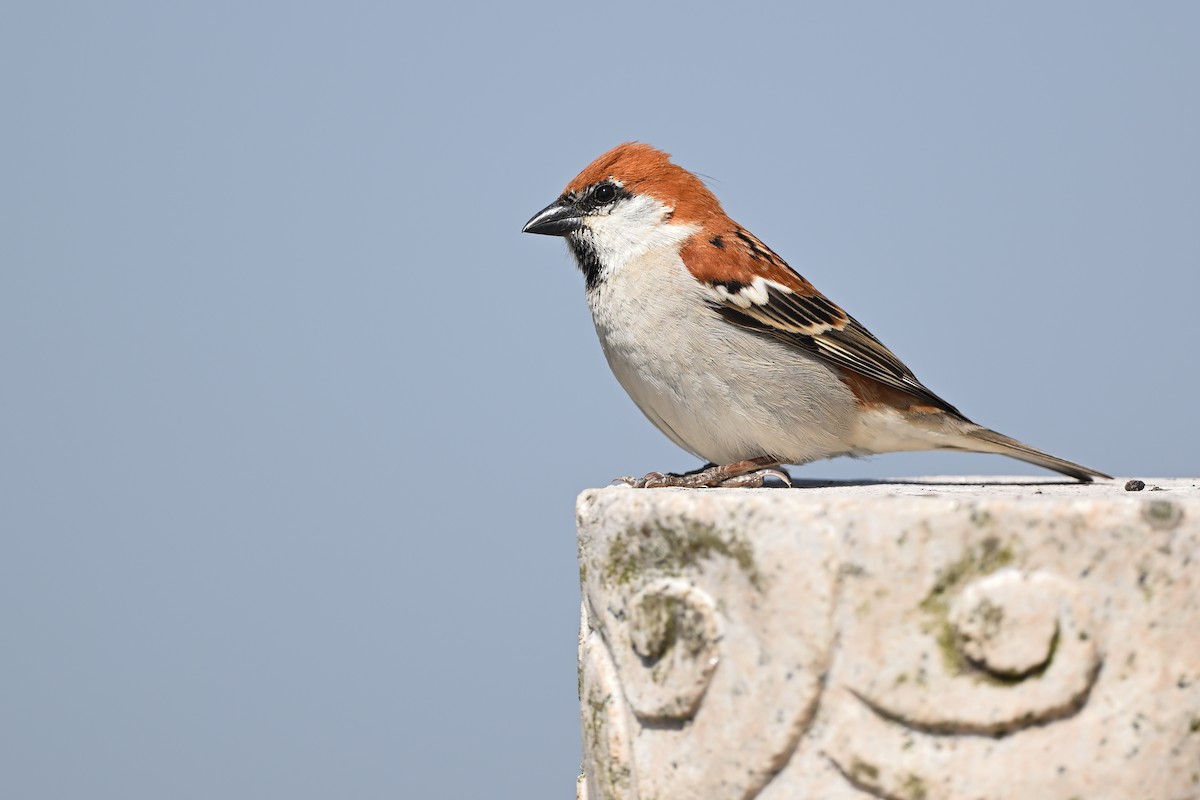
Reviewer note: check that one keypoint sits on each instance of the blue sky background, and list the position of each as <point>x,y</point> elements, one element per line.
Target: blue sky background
<point>292,417</point>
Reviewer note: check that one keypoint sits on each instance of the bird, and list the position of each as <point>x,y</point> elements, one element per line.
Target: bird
<point>726,349</point>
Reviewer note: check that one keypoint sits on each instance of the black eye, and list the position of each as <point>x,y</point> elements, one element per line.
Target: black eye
<point>605,193</point>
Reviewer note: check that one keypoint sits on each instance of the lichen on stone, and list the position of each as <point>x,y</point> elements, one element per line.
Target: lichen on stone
<point>1162,514</point>
<point>861,772</point>
<point>669,550</point>
<point>655,632</point>
<point>913,788</point>
<point>989,556</point>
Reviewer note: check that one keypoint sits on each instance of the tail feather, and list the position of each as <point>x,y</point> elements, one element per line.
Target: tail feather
<point>984,440</point>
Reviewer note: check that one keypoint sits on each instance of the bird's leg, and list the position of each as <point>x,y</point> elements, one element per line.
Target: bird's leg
<point>742,474</point>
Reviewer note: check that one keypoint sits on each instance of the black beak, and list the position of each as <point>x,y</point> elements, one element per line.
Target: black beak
<point>557,219</point>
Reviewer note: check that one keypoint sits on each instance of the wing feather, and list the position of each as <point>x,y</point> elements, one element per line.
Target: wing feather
<point>754,288</point>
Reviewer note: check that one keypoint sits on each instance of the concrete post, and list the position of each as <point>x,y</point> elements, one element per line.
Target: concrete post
<point>954,639</point>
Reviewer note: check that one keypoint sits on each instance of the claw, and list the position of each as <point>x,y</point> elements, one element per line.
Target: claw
<point>657,480</point>
<point>781,475</point>
<point>651,480</point>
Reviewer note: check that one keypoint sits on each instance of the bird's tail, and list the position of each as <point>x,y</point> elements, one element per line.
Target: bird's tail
<point>983,440</point>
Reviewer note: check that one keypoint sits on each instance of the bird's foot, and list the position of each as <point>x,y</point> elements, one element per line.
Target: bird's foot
<point>748,474</point>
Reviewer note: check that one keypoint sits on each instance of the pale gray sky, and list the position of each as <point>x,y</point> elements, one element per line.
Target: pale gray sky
<point>293,418</point>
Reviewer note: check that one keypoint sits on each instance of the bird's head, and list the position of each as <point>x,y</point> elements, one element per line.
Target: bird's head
<point>627,202</point>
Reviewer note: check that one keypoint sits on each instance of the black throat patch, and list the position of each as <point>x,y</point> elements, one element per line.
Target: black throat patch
<point>586,258</point>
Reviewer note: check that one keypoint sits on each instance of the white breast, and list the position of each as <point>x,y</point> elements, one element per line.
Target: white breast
<point>720,392</point>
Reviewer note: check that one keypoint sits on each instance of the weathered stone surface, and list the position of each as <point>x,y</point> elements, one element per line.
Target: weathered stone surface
<point>929,639</point>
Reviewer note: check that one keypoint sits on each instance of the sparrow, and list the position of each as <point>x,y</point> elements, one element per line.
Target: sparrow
<point>729,351</point>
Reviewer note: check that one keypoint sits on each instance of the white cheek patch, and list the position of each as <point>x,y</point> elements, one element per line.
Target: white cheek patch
<point>632,228</point>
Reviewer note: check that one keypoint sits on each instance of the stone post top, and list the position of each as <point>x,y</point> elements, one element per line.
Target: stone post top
<point>957,487</point>
<point>957,638</point>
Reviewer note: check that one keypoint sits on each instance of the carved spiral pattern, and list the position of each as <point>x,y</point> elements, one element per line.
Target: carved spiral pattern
<point>999,632</point>
<point>673,631</point>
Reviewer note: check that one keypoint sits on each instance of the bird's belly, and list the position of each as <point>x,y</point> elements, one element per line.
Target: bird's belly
<point>718,391</point>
